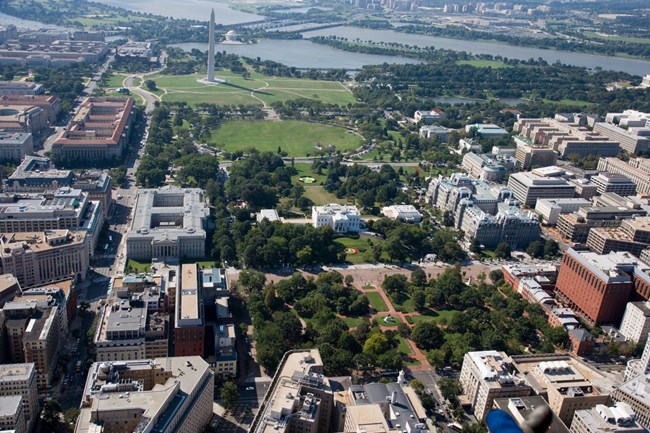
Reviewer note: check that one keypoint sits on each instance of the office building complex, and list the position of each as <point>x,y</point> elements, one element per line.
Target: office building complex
<point>162,395</point>
<point>597,287</point>
<point>405,213</point>
<point>429,117</point>
<point>488,375</point>
<point>638,170</point>
<point>386,407</point>
<point>635,325</point>
<point>20,380</point>
<point>65,208</point>
<point>510,225</point>
<point>38,174</point>
<point>616,183</point>
<point>36,329</point>
<point>569,137</point>
<point>636,393</point>
<point>299,399</point>
<point>530,155</point>
<point>168,222</point>
<point>528,187</point>
<point>567,383</point>
<point>575,226</point>
<point>37,258</point>
<point>99,132</point>
<point>51,106</point>
<point>189,324</point>
<point>340,218</point>
<point>632,236</point>
<point>487,130</point>
<point>431,131</point>
<point>550,209</point>
<point>20,88</point>
<point>225,363</point>
<point>619,418</point>
<point>14,146</point>
<point>638,367</point>
<point>484,168</point>
<point>12,418</point>
<point>630,139</point>
<point>133,325</point>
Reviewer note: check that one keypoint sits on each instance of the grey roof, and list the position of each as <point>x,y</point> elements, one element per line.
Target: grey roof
<point>10,405</point>
<point>383,393</point>
<point>581,334</point>
<point>192,212</point>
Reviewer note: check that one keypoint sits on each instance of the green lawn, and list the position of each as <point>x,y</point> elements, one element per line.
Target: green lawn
<point>403,346</point>
<point>494,64</point>
<point>137,266</point>
<point>305,170</point>
<point>115,81</point>
<point>319,196</point>
<point>362,244</point>
<point>431,316</point>
<point>353,322</point>
<point>377,302</point>
<point>569,102</point>
<point>295,137</point>
<point>403,303</point>
<point>258,90</point>
<point>380,321</point>
<point>207,264</point>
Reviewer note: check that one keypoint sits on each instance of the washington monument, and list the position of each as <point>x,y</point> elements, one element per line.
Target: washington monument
<point>211,48</point>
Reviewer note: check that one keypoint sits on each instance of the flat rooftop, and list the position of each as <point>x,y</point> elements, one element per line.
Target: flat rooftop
<point>10,405</point>
<point>189,299</point>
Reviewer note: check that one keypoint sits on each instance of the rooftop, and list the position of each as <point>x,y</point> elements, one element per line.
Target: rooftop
<point>10,405</point>
<point>189,296</point>
<point>16,372</point>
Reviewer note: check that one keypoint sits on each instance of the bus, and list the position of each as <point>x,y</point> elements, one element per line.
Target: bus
<point>455,426</point>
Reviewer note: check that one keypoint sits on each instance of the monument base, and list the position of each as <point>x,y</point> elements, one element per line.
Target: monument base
<point>211,83</point>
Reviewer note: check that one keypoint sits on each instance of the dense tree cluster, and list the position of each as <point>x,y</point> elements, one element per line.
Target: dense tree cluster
<point>278,329</point>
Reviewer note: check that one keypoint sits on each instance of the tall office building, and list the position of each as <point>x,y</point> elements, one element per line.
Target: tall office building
<point>20,380</point>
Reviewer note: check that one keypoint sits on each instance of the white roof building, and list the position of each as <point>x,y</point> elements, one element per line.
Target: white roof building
<point>341,218</point>
<point>407,213</point>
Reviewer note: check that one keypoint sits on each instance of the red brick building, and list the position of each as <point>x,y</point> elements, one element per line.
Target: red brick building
<point>189,327</point>
<point>597,287</point>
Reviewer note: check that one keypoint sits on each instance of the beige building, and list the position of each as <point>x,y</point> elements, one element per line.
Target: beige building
<point>168,222</point>
<point>20,380</point>
<point>530,155</point>
<point>565,382</point>
<point>15,146</point>
<point>528,187</point>
<point>36,330</point>
<point>100,131</point>
<point>162,395</point>
<point>619,418</point>
<point>299,400</point>
<point>488,375</point>
<point>638,169</point>
<point>635,325</point>
<point>225,350</point>
<point>633,236</point>
<point>636,393</point>
<point>12,418</point>
<point>37,258</point>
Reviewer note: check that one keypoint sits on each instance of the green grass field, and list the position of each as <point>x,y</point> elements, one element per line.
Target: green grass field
<point>403,346</point>
<point>570,102</point>
<point>403,303</point>
<point>258,90</point>
<point>362,244</point>
<point>377,302</point>
<point>319,196</point>
<point>115,81</point>
<point>138,267</point>
<point>380,321</point>
<point>295,137</point>
<point>305,170</point>
<point>353,322</point>
<point>431,316</point>
<point>494,64</point>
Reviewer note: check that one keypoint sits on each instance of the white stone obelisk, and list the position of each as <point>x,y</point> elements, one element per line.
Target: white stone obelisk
<point>211,48</point>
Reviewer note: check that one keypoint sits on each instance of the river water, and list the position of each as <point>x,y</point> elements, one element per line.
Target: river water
<point>631,66</point>
<point>301,54</point>
<point>189,9</point>
<point>26,24</point>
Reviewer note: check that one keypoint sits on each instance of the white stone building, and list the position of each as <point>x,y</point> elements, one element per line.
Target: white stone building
<point>341,218</point>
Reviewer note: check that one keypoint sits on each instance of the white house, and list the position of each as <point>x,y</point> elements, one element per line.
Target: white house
<point>340,218</point>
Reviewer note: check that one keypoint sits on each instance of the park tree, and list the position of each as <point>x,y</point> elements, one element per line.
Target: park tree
<point>427,335</point>
<point>535,249</point>
<point>475,246</point>
<point>252,280</point>
<point>419,277</point>
<point>394,283</point>
<point>551,248</point>
<point>376,344</point>
<point>229,394</point>
<point>503,250</point>
<point>150,85</point>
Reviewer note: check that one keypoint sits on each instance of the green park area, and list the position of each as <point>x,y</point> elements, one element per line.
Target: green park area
<point>387,320</point>
<point>295,137</point>
<point>137,266</point>
<point>432,316</point>
<point>377,302</point>
<point>256,90</point>
<point>358,250</point>
<point>494,64</point>
<point>319,195</point>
